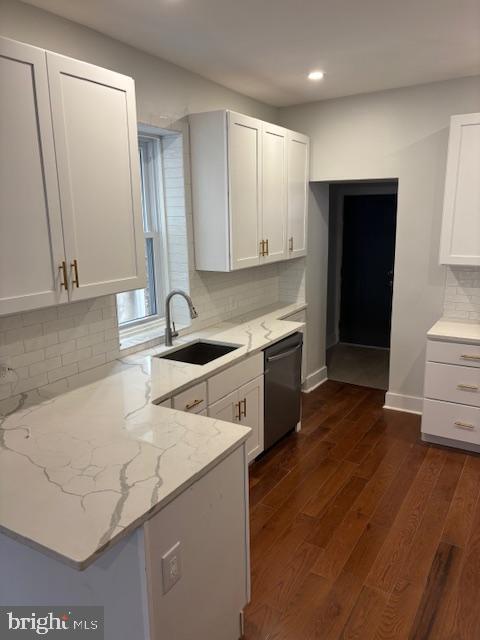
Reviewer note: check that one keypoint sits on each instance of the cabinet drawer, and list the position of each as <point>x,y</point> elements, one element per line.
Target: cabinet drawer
<point>193,400</point>
<point>452,383</point>
<point>230,379</point>
<point>453,353</point>
<point>455,421</point>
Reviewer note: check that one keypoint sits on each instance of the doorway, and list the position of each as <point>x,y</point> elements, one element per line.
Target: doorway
<point>362,228</point>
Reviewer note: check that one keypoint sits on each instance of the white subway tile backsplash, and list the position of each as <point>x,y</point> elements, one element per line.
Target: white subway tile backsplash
<point>90,363</point>
<point>32,382</point>
<point>462,294</point>
<point>32,344</point>
<point>89,340</point>
<point>26,359</point>
<point>45,346</point>
<point>60,349</point>
<point>78,354</point>
<point>63,372</point>
<point>44,366</point>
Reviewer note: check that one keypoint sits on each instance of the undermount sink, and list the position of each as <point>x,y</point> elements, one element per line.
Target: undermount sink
<point>200,352</point>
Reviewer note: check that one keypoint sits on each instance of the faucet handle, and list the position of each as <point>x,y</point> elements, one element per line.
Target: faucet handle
<point>174,332</point>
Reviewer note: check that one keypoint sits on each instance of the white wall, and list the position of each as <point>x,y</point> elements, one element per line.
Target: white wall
<point>165,92</point>
<point>316,282</point>
<point>395,134</point>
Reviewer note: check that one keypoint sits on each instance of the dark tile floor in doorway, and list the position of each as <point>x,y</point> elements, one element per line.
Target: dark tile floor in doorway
<point>358,365</point>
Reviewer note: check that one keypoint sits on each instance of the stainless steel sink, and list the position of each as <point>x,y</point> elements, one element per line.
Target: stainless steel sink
<point>200,352</point>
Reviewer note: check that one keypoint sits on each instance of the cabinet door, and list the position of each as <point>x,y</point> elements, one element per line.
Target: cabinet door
<point>274,192</point>
<point>225,409</point>
<point>251,408</point>
<point>297,168</point>
<point>244,163</point>
<point>95,130</point>
<point>31,242</point>
<point>460,243</point>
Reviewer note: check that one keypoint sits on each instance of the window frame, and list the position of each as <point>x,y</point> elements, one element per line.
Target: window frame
<point>151,144</point>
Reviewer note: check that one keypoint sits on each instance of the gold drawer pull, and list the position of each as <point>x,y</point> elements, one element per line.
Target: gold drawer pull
<point>266,245</point>
<point>244,402</point>
<point>290,244</point>
<point>467,387</point>
<point>63,270</point>
<point>238,416</point>
<point>464,425</point>
<point>74,266</point>
<point>262,247</point>
<point>192,404</point>
<point>466,356</point>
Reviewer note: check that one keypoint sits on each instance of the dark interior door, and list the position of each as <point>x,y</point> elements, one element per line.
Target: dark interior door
<point>369,224</point>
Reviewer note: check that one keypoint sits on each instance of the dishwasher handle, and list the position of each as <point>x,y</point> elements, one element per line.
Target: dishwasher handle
<point>284,354</point>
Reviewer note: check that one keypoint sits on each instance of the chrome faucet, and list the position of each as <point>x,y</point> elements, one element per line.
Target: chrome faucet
<point>170,331</point>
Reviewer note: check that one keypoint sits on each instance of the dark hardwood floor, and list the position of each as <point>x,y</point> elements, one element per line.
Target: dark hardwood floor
<point>359,530</point>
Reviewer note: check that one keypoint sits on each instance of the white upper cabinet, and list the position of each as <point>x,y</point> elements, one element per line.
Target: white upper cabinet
<point>297,160</point>
<point>244,162</point>
<point>31,242</point>
<point>244,172</point>
<point>460,241</point>
<point>70,208</point>
<point>274,202</point>
<point>95,129</point>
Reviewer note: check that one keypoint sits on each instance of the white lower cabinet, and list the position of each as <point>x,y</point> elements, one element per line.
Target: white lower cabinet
<point>451,409</point>
<point>225,409</point>
<point>233,395</point>
<point>251,410</point>
<point>209,523</point>
<point>245,406</point>
<point>193,400</point>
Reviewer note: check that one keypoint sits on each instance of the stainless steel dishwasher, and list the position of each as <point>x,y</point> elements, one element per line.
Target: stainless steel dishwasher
<point>283,379</point>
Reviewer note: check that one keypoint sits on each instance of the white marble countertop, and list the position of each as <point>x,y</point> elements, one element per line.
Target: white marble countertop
<point>81,469</point>
<point>455,331</point>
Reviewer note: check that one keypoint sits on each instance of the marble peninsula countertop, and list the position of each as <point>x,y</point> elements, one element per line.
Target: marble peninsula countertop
<point>455,331</point>
<point>82,468</point>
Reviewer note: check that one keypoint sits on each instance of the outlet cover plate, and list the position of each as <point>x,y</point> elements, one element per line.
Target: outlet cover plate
<point>171,567</point>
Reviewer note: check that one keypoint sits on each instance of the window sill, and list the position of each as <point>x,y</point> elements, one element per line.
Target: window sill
<point>141,334</point>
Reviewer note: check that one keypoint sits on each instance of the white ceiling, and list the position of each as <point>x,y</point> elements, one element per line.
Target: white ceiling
<point>264,48</point>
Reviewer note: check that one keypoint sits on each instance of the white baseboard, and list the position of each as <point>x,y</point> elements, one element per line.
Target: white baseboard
<point>400,402</point>
<point>315,379</point>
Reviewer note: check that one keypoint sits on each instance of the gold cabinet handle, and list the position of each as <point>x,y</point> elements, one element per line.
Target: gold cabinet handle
<point>238,415</point>
<point>290,244</point>
<point>262,247</point>
<point>74,266</point>
<point>63,270</point>
<point>192,404</point>
<point>467,387</point>
<point>464,425</point>
<point>466,356</point>
<point>244,402</point>
<point>266,244</point>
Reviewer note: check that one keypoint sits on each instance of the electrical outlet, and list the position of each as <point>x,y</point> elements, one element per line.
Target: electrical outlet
<point>7,374</point>
<point>171,567</point>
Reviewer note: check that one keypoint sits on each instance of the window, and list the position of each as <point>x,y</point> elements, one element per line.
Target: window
<point>142,305</point>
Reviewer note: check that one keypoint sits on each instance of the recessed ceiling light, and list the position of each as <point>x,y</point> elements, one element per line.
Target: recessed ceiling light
<point>315,75</point>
